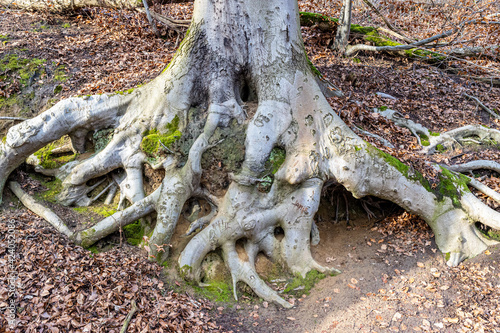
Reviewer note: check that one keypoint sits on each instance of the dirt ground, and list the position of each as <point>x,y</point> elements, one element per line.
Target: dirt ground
<point>393,277</point>
<point>387,285</point>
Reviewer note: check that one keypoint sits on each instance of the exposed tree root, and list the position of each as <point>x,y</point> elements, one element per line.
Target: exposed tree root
<point>249,53</point>
<point>474,133</point>
<point>38,209</point>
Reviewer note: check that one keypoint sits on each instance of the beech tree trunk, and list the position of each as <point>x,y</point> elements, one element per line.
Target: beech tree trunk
<point>242,65</point>
<point>344,28</point>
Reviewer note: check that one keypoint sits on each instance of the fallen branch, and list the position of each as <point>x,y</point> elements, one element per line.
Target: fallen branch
<point>363,47</point>
<point>169,22</point>
<point>129,317</point>
<point>395,34</point>
<point>375,136</point>
<point>472,51</point>
<point>474,165</point>
<point>13,118</point>
<point>150,19</point>
<point>30,203</point>
<point>494,81</point>
<point>387,23</point>
<point>484,189</point>
<point>484,107</point>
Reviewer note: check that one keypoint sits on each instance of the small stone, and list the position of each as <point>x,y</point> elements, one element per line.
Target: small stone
<point>256,307</point>
<point>265,304</point>
<point>439,325</point>
<point>220,308</point>
<point>397,316</point>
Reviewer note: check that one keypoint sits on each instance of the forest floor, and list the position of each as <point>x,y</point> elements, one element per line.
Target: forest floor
<point>393,277</point>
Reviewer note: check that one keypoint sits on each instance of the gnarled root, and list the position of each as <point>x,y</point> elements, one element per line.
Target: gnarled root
<point>253,216</point>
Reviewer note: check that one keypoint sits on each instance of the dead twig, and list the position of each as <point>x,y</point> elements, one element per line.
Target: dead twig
<point>13,118</point>
<point>387,23</point>
<point>176,25</point>
<point>363,47</point>
<point>129,317</point>
<point>150,19</point>
<point>484,107</point>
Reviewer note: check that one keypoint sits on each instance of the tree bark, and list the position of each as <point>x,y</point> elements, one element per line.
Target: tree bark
<point>344,28</point>
<point>241,68</point>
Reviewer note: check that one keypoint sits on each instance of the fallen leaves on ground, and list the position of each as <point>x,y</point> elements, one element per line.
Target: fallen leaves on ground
<point>65,288</point>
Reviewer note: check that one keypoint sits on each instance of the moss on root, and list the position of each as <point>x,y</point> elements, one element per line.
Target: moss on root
<point>303,285</point>
<point>48,161</point>
<point>451,185</point>
<point>323,22</point>
<point>53,186</point>
<point>154,140</point>
<point>404,169</point>
<point>134,233</point>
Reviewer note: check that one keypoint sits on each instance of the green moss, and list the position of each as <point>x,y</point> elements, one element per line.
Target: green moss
<point>60,74</point>
<point>371,34</point>
<point>440,148</point>
<point>4,39</point>
<point>361,29</point>
<point>25,68</point>
<point>57,89</point>
<point>134,233</point>
<point>44,155</point>
<point>405,170</point>
<point>88,233</point>
<point>447,256</point>
<point>303,285</point>
<point>434,134</point>
<point>276,158</point>
<point>423,136</point>
<point>312,67</point>
<point>50,162</point>
<point>4,139</point>
<point>216,291</point>
<point>425,143</point>
<point>494,234</point>
<point>323,22</point>
<point>102,210</point>
<point>66,25</point>
<point>153,141</point>
<point>185,270</point>
<point>93,249</point>
<point>125,92</point>
<point>452,185</point>
<point>53,186</point>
